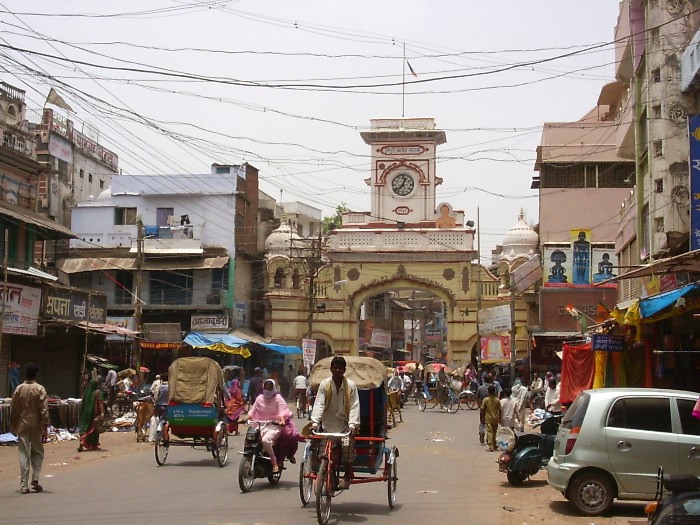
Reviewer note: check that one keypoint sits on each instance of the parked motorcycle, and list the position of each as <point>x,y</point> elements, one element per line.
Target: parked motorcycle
<point>526,453</point>
<point>681,505</point>
<point>255,463</point>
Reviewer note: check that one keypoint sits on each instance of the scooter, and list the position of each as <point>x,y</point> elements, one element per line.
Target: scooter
<point>682,505</point>
<point>527,453</point>
<point>255,463</point>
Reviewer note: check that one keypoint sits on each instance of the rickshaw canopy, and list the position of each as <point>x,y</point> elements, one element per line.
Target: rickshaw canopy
<point>365,372</point>
<point>434,368</point>
<point>194,380</point>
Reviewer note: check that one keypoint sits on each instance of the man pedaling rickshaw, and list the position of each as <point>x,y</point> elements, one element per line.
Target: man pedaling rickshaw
<point>337,409</point>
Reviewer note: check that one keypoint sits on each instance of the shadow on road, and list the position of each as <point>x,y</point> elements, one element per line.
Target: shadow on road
<point>620,509</point>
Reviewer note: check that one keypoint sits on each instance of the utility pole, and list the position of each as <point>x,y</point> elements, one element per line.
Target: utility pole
<point>136,345</point>
<point>478,292</point>
<point>313,266</point>
<point>512,328</point>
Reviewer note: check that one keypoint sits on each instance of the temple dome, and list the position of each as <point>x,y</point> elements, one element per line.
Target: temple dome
<point>280,240</point>
<point>521,240</point>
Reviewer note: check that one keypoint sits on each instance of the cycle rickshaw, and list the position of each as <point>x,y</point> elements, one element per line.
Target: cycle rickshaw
<point>195,409</point>
<point>437,392</point>
<point>374,460</point>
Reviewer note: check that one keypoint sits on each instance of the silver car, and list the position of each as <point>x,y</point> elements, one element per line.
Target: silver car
<point>612,441</point>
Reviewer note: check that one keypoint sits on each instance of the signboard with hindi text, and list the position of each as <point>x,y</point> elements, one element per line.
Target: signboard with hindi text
<point>209,323</point>
<point>21,309</point>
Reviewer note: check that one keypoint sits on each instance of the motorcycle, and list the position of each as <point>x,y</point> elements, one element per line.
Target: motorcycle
<point>682,505</point>
<point>524,454</point>
<point>254,463</point>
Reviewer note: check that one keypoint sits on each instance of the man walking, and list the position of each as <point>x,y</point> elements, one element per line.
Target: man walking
<point>491,413</point>
<point>29,421</point>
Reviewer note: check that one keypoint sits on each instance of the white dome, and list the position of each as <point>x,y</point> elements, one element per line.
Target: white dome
<point>105,194</point>
<point>520,239</point>
<point>280,240</point>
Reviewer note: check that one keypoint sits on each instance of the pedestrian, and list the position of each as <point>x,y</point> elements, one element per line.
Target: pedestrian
<point>522,397</point>
<point>482,393</point>
<point>552,403</point>
<point>110,386</point>
<point>91,411</point>
<point>508,406</point>
<point>161,400</point>
<point>536,385</point>
<point>155,386</point>
<point>491,410</point>
<point>255,385</point>
<point>29,421</point>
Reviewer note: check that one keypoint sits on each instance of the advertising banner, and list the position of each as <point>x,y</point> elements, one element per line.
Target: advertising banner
<point>496,319</point>
<point>694,159</point>
<point>607,343</point>
<point>581,256</point>
<point>557,266</point>
<point>21,309</point>
<point>309,348</point>
<point>495,349</point>
<point>603,266</point>
<point>381,338</point>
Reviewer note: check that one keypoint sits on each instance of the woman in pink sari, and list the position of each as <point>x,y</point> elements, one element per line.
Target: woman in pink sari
<point>234,405</point>
<point>270,406</point>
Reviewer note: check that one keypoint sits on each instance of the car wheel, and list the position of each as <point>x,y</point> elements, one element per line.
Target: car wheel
<point>591,493</point>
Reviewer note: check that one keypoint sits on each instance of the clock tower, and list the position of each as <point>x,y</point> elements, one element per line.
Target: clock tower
<point>403,177</point>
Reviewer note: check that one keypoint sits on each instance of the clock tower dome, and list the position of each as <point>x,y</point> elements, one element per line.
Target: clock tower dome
<point>403,177</point>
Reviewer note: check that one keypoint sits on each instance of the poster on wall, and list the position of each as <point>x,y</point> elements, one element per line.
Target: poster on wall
<point>603,266</point>
<point>557,266</point>
<point>21,309</point>
<point>495,349</point>
<point>581,257</point>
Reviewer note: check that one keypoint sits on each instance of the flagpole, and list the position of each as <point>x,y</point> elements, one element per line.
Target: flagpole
<point>403,82</point>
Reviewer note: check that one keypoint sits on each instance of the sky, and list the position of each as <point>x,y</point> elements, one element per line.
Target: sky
<point>173,86</point>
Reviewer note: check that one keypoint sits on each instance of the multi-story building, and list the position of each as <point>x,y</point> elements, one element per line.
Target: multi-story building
<point>195,262</point>
<point>582,180</point>
<point>653,131</point>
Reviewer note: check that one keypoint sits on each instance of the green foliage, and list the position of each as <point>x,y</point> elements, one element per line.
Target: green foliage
<point>334,221</point>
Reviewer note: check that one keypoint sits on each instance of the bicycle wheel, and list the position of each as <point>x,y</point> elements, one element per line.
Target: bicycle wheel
<point>162,447</point>
<point>391,482</point>
<point>300,409</point>
<point>469,399</point>
<point>324,493</point>
<point>246,476</point>
<point>306,484</point>
<point>421,403</point>
<point>452,404</point>
<point>222,446</point>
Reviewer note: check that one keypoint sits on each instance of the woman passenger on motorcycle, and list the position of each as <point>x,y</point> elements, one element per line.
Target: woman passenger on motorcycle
<point>270,406</point>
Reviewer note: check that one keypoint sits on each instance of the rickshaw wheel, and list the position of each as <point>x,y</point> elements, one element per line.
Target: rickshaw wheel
<point>469,399</point>
<point>221,447</point>
<point>323,494</point>
<point>421,403</point>
<point>246,476</point>
<point>306,484</point>
<point>162,446</point>
<point>391,482</point>
<point>451,407</point>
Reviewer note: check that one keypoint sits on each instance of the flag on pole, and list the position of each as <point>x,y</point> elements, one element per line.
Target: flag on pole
<point>57,100</point>
<point>411,69</point>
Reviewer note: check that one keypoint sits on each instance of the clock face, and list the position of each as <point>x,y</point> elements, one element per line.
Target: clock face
<point>402,184</point>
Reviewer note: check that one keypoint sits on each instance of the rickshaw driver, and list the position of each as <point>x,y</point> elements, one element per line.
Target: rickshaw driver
<point>337,408</point>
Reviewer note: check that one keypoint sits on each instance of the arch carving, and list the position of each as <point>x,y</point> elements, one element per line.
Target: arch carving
<point>422,177</point>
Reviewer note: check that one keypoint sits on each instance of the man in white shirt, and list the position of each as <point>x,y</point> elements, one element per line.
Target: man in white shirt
<point>110,386</point>
<point>551,398</point>
<point>337,408</point>
<point>299,386</point>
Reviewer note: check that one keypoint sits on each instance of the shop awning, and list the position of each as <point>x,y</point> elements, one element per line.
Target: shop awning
<point>648,306</point>
<point>248,335</point>
<point>685,262</point>
<point>77,265</point>
<point>226,343</point>
<point>44,225</point>
<point>98,328</point>
<point>281,349</point>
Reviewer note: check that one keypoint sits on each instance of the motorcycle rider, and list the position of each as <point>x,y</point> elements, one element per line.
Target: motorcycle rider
<point>270,406</point>
<point>337,408</point>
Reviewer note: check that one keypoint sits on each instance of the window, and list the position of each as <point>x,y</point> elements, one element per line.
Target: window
<point>124,283</point>
<point>89,177</point>
<point>658,148</point>
<point>82,173</point>
<point>689,425</point>
<point>102,184</point>
<point>656,75</point>
<point>659,224</point>
<point>163,215</point>
<point>170,287</point>
<point>653,414</point>
<point>123,216</point>
<point>656,111</point>
<point>659,185</point>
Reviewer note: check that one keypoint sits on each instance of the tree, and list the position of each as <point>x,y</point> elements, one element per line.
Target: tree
<point>334,221</point>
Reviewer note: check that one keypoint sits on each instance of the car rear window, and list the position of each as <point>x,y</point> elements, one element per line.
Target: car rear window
<point>576,412</point>
<point>689,425</point>
<point>641,413</point>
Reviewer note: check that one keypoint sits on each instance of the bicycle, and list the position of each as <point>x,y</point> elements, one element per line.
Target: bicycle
<point>449,402</point>
<point>301,405</point>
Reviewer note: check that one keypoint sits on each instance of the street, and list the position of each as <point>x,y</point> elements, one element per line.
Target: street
<point>444,474</point>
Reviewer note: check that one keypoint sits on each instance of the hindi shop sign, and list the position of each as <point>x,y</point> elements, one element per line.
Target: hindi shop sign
<point>495,349</point>
<point>75,306</point>
<point>21,309</point>
<point>496,319</point>
<point>208,323</point>
<point>607,343</point>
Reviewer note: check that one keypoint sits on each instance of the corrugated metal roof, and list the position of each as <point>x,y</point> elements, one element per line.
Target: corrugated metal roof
<point>77,265</point>
<point>44,224</point>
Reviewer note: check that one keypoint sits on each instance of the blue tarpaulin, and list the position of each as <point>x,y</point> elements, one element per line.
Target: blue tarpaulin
<point>648,306</point>
<point>280,349</point>
<point>227,343</point>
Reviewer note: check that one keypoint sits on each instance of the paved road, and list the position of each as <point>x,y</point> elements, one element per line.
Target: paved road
<point>444,475</point>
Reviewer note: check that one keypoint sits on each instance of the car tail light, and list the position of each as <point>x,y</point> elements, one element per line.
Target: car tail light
<point>650,507</point>
<point>571,440</point>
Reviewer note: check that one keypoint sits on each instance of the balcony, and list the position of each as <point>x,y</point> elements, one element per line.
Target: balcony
<point>690,66</point>
<point>431,240</point>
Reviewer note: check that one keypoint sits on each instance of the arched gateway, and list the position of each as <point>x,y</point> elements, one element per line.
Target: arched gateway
<point>405,242</point>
